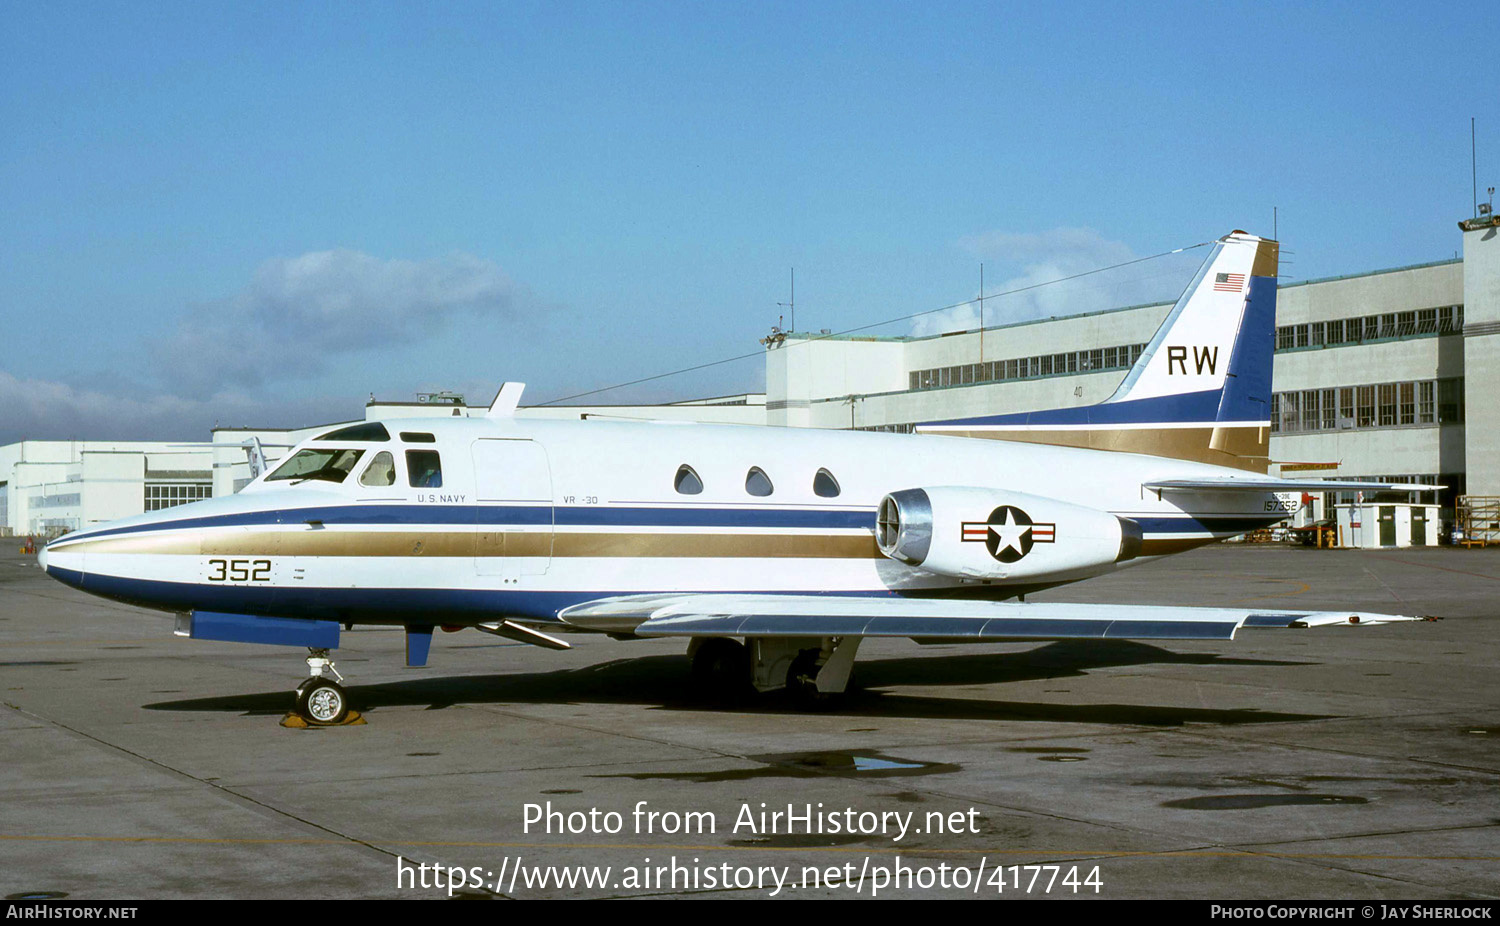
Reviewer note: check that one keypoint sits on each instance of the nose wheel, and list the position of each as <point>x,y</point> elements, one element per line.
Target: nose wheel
<point>320,699</point>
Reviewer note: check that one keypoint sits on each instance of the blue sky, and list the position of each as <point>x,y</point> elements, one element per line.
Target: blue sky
<point>262,213</point>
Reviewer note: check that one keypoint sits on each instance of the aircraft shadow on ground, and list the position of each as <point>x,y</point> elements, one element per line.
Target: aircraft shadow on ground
<point>662,682</point>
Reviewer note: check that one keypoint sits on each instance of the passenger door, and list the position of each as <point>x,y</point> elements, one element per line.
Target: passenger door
<point>513,492</point>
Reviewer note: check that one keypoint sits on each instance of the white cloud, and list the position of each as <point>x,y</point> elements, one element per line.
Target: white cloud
<point>38,409</point>
<point>298,312</point>
<point>1031,264</point>
<point>957,318</point>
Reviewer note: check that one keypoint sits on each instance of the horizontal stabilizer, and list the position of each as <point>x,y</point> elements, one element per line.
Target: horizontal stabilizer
<point>1269,484</point>
<point>932,618</point>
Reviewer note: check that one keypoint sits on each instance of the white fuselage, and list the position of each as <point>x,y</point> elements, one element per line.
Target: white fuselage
<point>533,516</point>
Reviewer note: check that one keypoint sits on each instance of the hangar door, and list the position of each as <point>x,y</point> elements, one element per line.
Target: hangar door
<point>513,489</point>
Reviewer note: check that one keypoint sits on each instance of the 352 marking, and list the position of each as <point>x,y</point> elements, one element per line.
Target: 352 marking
<point>239,570</point>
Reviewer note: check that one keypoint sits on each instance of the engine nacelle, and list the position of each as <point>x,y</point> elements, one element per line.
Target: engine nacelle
<point>975,533</point>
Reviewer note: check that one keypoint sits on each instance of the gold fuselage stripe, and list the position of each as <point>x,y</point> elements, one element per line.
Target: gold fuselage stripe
<point>1248,445</point>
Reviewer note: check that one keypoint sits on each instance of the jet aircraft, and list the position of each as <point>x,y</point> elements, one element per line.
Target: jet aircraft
<point>773,551</point>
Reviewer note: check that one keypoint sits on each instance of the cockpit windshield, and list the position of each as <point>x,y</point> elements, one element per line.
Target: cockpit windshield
<point>331,465</point>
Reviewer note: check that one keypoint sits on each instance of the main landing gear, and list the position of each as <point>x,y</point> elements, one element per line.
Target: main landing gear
<point>814,671</point>
<point>322,700</point>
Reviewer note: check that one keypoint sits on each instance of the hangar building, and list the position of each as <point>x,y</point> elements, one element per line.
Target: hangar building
<point>1391,374</point>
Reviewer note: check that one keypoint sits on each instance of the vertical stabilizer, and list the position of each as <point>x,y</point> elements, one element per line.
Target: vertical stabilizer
<point>1201,388</point>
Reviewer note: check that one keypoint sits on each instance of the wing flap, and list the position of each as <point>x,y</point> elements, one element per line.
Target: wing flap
<point>735,615</point>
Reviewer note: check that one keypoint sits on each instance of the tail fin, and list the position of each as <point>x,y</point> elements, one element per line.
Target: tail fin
<point>1201,388</point>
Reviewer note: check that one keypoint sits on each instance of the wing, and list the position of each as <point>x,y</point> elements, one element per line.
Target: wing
<point>920,619</point>
<point>1268,484</point>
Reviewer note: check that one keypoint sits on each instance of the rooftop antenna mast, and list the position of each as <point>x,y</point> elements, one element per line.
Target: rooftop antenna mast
<point>981,311</point>
<point>791,304</point>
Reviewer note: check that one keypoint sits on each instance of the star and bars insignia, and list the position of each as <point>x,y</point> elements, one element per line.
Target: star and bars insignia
<point>1009,533</point>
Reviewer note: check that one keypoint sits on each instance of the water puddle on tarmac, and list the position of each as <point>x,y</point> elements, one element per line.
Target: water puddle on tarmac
<point>1053,753</point>
<point>861,763</point>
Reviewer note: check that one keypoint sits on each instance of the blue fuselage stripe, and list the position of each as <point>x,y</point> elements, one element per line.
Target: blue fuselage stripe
<point>522,516</point>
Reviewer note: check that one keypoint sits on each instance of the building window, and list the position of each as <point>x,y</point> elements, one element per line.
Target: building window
<point>1425,413</point>
<point>170,495</point>
<point>1365,412</point>
<point>1289,411</point>
<point>1451,400</point>
<point>1407,403</point>
<point>1387,404</point>
<point>1310,410</point>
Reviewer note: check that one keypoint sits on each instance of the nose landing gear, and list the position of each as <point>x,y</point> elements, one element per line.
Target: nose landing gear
<point>322,700</point>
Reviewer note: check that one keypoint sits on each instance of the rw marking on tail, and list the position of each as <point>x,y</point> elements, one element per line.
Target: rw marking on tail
<point>1200,390</point>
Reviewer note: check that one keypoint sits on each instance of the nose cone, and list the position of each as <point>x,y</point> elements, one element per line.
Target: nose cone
<point>41,558</point>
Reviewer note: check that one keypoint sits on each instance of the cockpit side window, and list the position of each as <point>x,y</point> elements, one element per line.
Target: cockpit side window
<point>824,485</point>
<point>687,481</point>
<point>381,471</point>
<point>758,483</point>
<point>330,465</point>
<point>424,469</point>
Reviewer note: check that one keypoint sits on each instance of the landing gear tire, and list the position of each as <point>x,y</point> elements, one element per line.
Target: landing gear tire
<point>802,683</point>
<point>721,671</point>
<point>322,701</point>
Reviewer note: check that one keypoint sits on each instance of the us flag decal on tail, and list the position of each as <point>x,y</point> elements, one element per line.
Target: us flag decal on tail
<point>1229,282</point>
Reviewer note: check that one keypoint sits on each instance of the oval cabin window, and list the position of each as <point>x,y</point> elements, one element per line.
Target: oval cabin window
<point>758,483</point>
<point>824,485</point>
<point>687,481</point>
